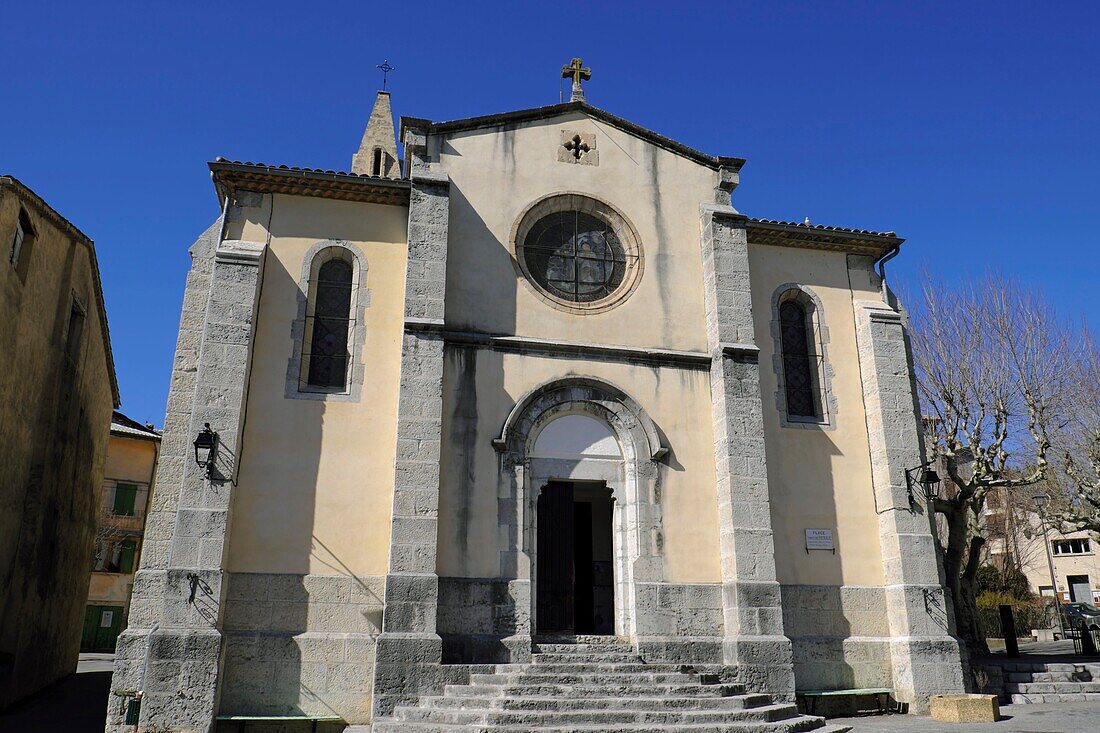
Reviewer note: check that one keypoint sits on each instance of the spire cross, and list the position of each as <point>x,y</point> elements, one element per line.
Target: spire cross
<point>386,69</point>
<point>578,72</point>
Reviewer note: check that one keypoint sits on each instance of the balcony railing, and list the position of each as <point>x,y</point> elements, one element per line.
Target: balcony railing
<point>129,523</point>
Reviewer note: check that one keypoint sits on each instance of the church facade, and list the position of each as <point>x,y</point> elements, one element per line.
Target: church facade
<point>538,379</point>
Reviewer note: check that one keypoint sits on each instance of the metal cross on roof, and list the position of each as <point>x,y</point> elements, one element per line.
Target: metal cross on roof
<point>578,72</point>
<point>386,69</point>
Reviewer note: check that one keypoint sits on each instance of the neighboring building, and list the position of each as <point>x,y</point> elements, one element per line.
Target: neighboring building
<point>1076,566</point>
<point>542,379</point>
<point>127,485</point>
<point>1018,539</point>
<point>57,389</point>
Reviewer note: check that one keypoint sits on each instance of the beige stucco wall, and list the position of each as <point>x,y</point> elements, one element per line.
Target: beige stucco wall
<point>819,478</point>
<point>130,459</point>
<point>315,487</point>
<point>482,386</point>
<point>497,173</point>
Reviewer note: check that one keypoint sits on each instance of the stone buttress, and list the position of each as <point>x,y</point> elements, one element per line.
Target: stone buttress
<point>174,632</point>
<point>925,657</point>
<point>754,638</point>
<point>408,658</point>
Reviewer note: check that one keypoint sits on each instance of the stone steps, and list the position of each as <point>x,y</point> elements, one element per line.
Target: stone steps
<point>597,690</point>
<point>1048,682</point>
<point>621,716</point>
<point>734,702</point>
<point>538,677</point>
<point>601,685</point>
<point>1037,698</point>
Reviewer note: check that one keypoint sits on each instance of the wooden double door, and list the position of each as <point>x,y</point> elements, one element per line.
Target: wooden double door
<point>574,583</point>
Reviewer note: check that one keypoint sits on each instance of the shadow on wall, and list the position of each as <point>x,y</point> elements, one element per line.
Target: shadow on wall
<point>266,669</point>
<point>476,610</point>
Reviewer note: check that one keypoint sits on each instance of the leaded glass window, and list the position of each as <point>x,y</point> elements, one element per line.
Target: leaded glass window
<point>575,256</point>
<point>331,322</point>
<point>798,366</point>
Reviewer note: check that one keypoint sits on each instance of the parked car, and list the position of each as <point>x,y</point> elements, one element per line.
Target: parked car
<point>1077,612</point>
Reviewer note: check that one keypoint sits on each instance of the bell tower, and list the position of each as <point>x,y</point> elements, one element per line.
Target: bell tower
<point>377,154</point>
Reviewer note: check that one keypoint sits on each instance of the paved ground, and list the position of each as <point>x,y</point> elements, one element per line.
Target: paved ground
<point>1066,717</point>
<point>77,704</point>
<point>74,704</point>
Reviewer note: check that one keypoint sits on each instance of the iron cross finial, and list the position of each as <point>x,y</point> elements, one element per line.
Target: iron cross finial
<point>386,69</point>
<point>579,73</point>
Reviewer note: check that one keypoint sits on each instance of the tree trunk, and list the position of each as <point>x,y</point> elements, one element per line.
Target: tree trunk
<point>961,574</point>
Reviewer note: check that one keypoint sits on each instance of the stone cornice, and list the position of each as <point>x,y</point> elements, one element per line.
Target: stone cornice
<point>231,176</point>
<point>808,236</point>
<point>564,349</point>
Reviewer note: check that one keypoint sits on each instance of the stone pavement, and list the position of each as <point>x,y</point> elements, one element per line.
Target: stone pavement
<point>73,704</point>
<point>1066,717</point>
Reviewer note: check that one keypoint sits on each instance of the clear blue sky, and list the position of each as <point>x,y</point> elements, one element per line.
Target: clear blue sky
<point>972,129</point>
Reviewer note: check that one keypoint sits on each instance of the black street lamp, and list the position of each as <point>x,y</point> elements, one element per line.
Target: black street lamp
<point>206,446</point>
<point>928,479</point>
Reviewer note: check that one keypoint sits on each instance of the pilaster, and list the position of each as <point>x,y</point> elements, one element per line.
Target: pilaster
<point>409,649</point>
<point>752,614</point>
<point>175,613</point>
<point>925,658</point>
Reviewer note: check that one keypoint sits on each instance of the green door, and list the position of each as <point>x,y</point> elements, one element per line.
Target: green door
<point>102,625</point>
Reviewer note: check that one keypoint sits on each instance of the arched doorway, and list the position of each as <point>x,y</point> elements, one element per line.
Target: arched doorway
<point>580,437</point>
<point>574,545</point>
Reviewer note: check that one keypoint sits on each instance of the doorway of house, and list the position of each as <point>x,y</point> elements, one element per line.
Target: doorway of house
<point>1080,591</point>
<point>574,552</point>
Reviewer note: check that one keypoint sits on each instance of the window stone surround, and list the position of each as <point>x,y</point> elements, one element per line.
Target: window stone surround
<point>314,257</point>
<point>588,204</point>
<point>823,374</point>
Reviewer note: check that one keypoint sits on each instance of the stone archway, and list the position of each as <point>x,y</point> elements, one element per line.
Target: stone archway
<point>632,479</point>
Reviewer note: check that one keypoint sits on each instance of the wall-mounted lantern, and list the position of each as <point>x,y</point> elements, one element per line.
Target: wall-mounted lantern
<point>928,479</point>
<point>206,445</point>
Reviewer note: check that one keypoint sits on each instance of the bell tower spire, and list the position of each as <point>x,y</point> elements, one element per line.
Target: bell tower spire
<point>377,154</point>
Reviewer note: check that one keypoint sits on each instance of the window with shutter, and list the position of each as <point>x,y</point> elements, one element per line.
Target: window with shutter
<point>125,499</point>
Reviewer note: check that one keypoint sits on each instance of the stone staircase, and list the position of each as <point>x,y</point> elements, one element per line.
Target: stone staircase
<point>1037,682</point>
<point>597,684</point>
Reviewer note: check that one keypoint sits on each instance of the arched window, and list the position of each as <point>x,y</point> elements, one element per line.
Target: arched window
<point>799,369</point>
<point>376,162</point>
<point>800,337</point>
<point>329,326</point>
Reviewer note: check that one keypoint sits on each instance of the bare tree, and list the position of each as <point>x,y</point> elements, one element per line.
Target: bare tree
<point>993,372</point>
<point>1077,506</point>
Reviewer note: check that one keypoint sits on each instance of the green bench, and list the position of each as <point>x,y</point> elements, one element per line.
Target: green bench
<point>243,720</point>
<point>882,696</point>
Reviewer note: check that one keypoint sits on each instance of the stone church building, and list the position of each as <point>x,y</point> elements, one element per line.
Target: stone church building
<point>536,393</point>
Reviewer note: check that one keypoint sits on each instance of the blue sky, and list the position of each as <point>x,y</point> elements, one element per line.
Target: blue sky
<point>972,129</point>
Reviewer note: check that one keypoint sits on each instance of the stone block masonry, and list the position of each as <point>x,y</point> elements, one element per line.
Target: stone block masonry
<point>753,619</point>
<point>925,658</point>
<point>180,587</point>
<point>300,643</point>
<point>410,652</point>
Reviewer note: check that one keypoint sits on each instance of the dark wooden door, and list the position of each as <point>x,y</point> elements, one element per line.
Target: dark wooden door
<point>555,558</point>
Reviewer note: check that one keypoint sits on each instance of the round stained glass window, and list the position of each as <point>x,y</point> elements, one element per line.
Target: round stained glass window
<point>578,252</point>
<point>575,256</point>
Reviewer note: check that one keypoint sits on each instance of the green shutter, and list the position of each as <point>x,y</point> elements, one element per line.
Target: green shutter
<point>125,498</point>
<point>126,556</point>
<point>91,623</point>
